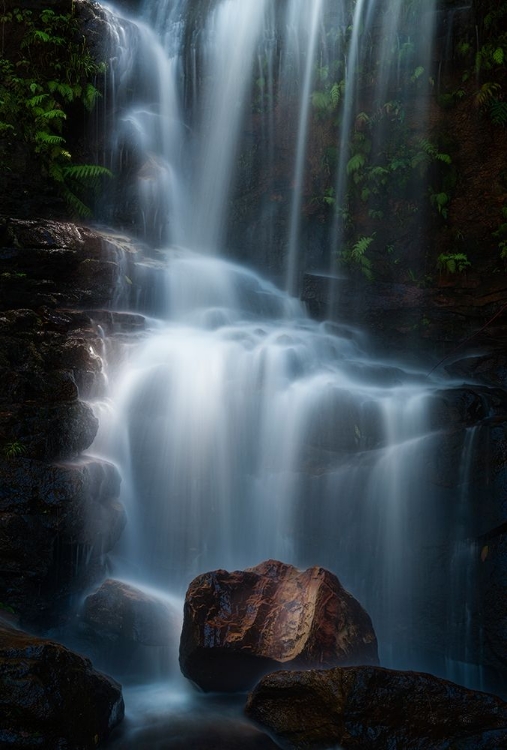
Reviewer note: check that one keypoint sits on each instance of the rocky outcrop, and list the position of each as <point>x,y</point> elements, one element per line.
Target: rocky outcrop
<point>51,697</point>
<point>57,523</point>
<point>240,625</point>
<point>51,359</point>
<point>368,707</point>
<point>129,631</point>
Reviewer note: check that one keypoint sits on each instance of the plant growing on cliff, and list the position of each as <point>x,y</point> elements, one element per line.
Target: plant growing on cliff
<point>49,72</point>
<point>356,256</point>
<point>452,262</point>
<point>14,449</point>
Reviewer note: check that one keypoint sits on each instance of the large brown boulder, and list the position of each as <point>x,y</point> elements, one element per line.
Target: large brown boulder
<point>238,626</point>
<point>370,707</point>
<point>51,697</point>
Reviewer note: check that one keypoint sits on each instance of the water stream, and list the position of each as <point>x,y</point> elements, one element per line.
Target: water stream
<point>243,429</point>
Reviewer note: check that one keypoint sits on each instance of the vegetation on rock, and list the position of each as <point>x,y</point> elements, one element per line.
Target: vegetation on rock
<point>47,79</point>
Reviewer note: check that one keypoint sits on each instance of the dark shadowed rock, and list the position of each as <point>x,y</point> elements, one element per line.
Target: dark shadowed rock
<point>57,522</point>
<point>240,625</point>
<point>128,631</point>
<point>51,697</point>
<point>127,612</point>
<point>370,707</point>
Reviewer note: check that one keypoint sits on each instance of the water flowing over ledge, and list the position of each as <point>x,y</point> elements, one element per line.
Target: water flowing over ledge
<point>243,429</point>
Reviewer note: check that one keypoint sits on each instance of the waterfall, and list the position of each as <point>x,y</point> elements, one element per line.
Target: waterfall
<point>243,429</point>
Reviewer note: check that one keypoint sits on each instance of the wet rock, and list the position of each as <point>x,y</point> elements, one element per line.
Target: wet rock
<point>126,612</point>
<point>487,368</point>
<point>59,264</point>
<point>57,523</point>
<point>369,707</point>
<point>240,625</point>
<point>492,561</point>
<point>51,697</point>
<point>335,421</point>
<point>464,407</point>
<point>49,431</point>
<point>128,631</point>
<point>114,322</point>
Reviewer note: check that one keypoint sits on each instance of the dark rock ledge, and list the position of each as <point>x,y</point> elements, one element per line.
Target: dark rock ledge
<point>370,708</point>
<point>51,697</point>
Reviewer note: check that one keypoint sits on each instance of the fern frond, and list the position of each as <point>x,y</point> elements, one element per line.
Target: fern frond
<point>355,163</point>
<point>36,101</point>
<point>41,136</point>
<point>86,171</point>
<point>53,114</point>
<point>499,56</point>
<point>498,113</point>
<point>320,100</point>
<point>360,247</point>
<point>335,94</point>
<point>76,204</point>
<point>487,91</point>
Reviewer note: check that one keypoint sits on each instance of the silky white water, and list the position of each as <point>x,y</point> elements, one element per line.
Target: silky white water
<point>243,429</point>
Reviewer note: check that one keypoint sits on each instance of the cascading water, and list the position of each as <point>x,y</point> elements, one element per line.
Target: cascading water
<point>243,429</point>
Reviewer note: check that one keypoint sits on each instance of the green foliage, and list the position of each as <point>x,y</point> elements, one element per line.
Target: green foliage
<point>355,163</point>
<point>14,449</point>
<point>486,93</point>
<point>356,256</point>
<point>440,202</point>
<point>51,70</point>
<point>498,112</point>
<point>325,100</point>
<point>452,262</point>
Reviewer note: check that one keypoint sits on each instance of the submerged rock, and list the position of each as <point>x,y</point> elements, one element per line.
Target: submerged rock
<point>238,626</point>
<point>381,709</point>
<point>51,697</point>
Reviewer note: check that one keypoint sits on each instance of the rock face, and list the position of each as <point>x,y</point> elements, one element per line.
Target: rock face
<point>57,520</point>
<point>51,697</point>
<point>128,630</point>
<point>369,707</point>
<point>240,625</point>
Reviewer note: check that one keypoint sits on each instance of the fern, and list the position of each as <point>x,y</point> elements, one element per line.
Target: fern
<point>498,113</point>
<point>417,73</point>
<point>86,171</point>
<point>443,157</point>
<point>335,94</point>
<point>53,114</point>
<point>76,204</point>
<point>41,136</point>
<point>361,246</point>
<point>90,96</point>
<point>320,100</point>
<point>36,101</point>
<point>453,262</point>
<point>498,56</point>
<point>487,92</point>
<point>355,163</point>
